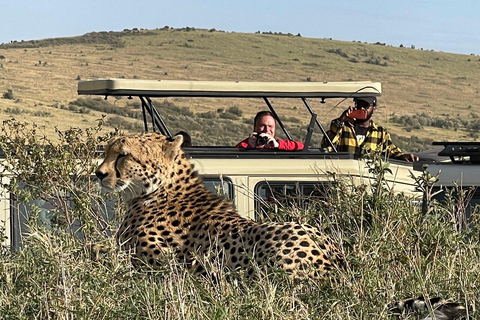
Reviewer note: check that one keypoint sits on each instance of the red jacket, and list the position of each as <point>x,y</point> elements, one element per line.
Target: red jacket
<point>286,145</point>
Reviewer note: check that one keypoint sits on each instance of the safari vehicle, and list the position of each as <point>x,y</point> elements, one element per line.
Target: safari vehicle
<point>251,177</point>
<point>254,180</point>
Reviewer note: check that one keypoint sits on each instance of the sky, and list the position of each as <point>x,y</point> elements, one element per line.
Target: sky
<point>440,25</point>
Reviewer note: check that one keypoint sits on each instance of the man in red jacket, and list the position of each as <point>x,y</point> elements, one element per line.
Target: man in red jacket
<point>263,135</point>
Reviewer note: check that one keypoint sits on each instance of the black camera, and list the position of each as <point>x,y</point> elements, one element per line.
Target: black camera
<point>261,139</point>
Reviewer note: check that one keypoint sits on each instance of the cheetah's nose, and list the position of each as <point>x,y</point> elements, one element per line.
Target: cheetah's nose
<point>100,174</point>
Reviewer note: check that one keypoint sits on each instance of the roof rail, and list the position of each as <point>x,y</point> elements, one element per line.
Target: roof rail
<point>460,152</point>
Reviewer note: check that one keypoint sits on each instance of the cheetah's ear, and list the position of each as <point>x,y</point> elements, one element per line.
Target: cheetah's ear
<point>173,147</point>
<point>177,141</point>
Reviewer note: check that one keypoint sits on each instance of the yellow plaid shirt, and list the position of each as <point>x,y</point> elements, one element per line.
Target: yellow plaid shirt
<point>377,138</point>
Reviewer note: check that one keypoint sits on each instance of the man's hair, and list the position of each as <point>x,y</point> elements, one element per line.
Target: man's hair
<point>262,114</point>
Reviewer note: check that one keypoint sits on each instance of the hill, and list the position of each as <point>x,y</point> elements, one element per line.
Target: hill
<point>426,95</point>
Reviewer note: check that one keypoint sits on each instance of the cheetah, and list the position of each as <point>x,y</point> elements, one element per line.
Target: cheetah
<point>170,211</point>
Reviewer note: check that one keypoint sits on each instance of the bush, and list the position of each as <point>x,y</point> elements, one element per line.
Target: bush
<point>412,143</point>
<point>417,121</point>
<point>376,61</point>
<point>9,95</point>
<point>290,119</point>
<point>121,124</point>
<point>101,105</point>
<point>235,110</point>
<point>58,173</point>
<point>134,104</point>
<point>338,51</point>
<point>42,114</point>
<point>229,115</point>
<point>208,115</point>
<point>15,111</point>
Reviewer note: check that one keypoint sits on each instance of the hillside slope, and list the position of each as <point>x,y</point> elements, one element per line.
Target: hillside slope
<point>426,94</point>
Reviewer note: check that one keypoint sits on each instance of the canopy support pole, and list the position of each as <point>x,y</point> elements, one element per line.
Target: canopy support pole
<point>319,125</point>
<point>272,110</point>
<point>157,120</point>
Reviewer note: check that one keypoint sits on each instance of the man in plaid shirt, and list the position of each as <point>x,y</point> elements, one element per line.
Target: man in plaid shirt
<point>361,134</point>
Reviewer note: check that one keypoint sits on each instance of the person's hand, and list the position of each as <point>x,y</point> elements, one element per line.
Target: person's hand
<point>271,142</point>
<point>409,157</point>
<point>252,140</point>
<point>344,117</point>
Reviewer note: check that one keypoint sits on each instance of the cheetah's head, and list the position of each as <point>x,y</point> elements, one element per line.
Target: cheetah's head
<point>138,164</point>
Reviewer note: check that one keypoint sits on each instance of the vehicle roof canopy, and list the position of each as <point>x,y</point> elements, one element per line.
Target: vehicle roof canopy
<point>180,88</point>
<point>147,89</point>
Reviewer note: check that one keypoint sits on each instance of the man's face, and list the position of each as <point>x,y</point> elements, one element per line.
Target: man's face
<point>369,108</point>
<point>265,124</point>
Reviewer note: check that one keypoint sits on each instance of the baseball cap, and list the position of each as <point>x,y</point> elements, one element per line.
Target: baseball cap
<point>369,100</point>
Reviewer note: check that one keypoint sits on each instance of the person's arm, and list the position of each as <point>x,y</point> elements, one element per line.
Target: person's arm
<point>249,143</point>
<point>289,145</point>
<point>242,144</point>
<point>395,152</point>
<point>335,130</point>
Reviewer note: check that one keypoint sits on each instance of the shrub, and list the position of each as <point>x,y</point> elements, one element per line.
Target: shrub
<point>122,124</point>
<point>134,104</point>
<point>15,110</point>
<point>42,114</point>
<point>9,95</point>
<point>412,143</point>
<point>229,115</point>
<point>104,106</point>
<point>208,115</point>
<point>338,51</point>
<point>376,61</point>
<point>58,173</point>
<point>235,110</point>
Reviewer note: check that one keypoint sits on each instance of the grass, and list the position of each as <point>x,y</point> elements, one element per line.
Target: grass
<point>399,252</point>
<point>393,249</point>
<point>414,81</point>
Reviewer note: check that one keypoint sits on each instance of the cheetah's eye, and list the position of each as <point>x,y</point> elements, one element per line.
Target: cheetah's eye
<point>117,161</point>
<point>123,154</point>
<point>120,157</point>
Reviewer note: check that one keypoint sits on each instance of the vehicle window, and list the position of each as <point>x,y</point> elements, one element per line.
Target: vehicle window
<point>21,212</point>
<point>220,186</point>
<point>272,197</point>
<point>48,214</point>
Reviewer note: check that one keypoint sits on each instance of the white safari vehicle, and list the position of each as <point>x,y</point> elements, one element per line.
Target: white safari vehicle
<point>252,179</point>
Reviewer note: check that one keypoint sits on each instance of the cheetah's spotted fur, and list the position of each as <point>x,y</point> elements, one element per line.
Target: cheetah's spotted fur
<point>169,210</point>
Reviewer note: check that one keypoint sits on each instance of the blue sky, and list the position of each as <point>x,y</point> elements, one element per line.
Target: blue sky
<point>450,26</point>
